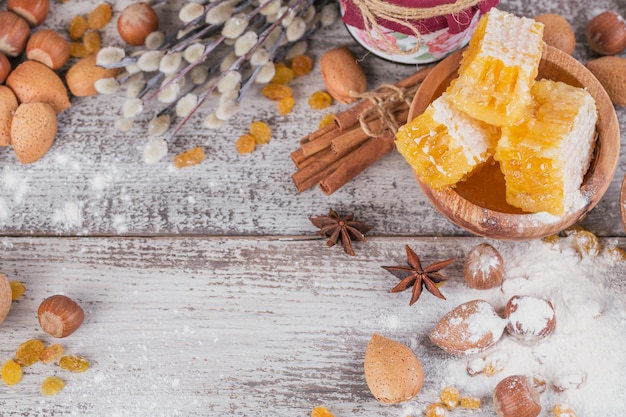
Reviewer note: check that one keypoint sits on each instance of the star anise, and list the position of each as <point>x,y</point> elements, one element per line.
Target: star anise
<point>418,277</point>
<point>338,228</point>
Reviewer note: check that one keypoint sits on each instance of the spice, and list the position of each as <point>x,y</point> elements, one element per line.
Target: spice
<point>417,277</point>
<point>341,228</point>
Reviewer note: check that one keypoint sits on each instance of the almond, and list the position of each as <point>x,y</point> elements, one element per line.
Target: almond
<point>33,82</point>
<point>82,75</point>
<point>611,72</point>
<point>5,297</point>
<point>557,32</point>
<point>392,372</point>
<point>470,328</point>
<point>33,129</point>
<point>342,74</point>
<point>8,104</point>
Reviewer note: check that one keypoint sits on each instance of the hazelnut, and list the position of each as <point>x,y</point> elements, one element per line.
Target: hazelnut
<point>49,48</point>
<point>34,11</point>
<point>516,396</point>
<point>606,33</point>
<point>5,67</point>
<point>14,32</point>
<point>60,316</point>
<point>483,267</point>
<point>5,297</point>
<point>530,318</point>
<point>136,22</point>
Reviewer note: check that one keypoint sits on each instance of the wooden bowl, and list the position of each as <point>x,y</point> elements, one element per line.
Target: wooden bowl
<point>487,213</point>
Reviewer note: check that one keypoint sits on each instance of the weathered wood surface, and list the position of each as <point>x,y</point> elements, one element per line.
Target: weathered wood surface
<point>262,326</point>
<point>94,182</point>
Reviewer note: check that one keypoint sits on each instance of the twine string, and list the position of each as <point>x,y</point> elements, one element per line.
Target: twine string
<point>373,9</point>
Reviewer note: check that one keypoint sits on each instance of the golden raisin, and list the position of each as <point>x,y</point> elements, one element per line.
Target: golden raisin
<point>327,120</point>
<point>562,410</point>
<point>245,143</point>
<point>436,410</point>
<point>17,289</point>
<point>552,241</point>
<point>52,385</point>
<point>301,65</point>
<point>11,372</point>
<point>261,132</point>
<point>470,403</point>
<point>99,16</point>
<point>28,352</point>
<point>320,411</point>
<point>92,42</point>
<point>282,75</point>
<point>285,105</point>
<point>320,100</point>
<point>51,354</point>
<point>586,243</point>
<point>450,397</point>
<point>616,254</point>
<point>78,50</point>
<point>189,158</point>
<point>277,92</point>
<point>78,26</point>
<point>73,363</point>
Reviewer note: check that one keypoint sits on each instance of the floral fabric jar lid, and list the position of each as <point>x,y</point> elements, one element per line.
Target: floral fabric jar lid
<point>413,31</point>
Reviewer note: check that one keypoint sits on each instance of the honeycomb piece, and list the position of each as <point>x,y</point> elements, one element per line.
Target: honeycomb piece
<point>52,385</point>
<point>189,158</point>
<point>78,27</point>
<point>73,363</point>
<point>327,120</point>
<point>444,145</point>
<point>563,410</point>
<point>11,372</point>
<point>51,354</point>
<point>28,352</point>
<point>285,105</point>
<point>470,403</point>
<point>449,397</point>
<point>282,75</point>
<point>436,410</point>
<point>320,100</point>
<point>17,289</point>
<point>261,132</point>
<point>301,65</point>
<point>546,155</point>
<point>498,68</point>
<point>245,143</point>
<point>99,16</point>
<point>277,92</point>
<point>321,412</point>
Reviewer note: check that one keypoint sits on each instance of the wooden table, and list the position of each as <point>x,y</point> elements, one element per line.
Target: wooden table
<point>205,289</point>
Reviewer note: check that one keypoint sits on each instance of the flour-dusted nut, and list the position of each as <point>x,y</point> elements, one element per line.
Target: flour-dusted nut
<point>14,32</point>
<point>342,74</point>
<point>8,104</point>
<point>530,318</point>
<point>60,316</point>
<point>557,32</point>
<point>49,48</point>
<point>392,372</point>
<point>483,267</point>
<point>516,396</point>
<point>34,11</point>
<point>611,72</point>
<point>33,82</point>
<point>136,22</point>
<point>5,297</point>
<point>33,130</point>
<point>606,33</point>
<point>470,328</point>
<point>82,75</point>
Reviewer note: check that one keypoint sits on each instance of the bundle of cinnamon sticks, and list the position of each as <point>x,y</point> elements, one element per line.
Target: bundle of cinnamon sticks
<point>335,154</point>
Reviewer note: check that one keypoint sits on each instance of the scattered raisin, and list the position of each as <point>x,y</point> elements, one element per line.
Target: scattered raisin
<point>51,354</point>
<point>73,363</point>
<point>11,372</point>
<point>562,410</point>
<point>52,385</point>
<point>586,243</point>
<point>277,92</point>
<point>283,75</point>
<point>245,143</point>
<point>320,100</point>
<point>189,158</point>
<point>78,26</point>
<point>261,132</point>
<point>436,410</point>
<point>92,42</point>
<point>301,65</point>
<point>617,254</point>
<point>28,352</point>
<point>285,105</point>
<point>99,16</point>
<point>450,397</point>
<point>17,289</point>
<point>470,403</point>
<point>78,50</point>
<point>327,120</point>
<point>321,412</point>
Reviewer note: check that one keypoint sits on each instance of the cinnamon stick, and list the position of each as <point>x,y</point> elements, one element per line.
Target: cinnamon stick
<point>356,162</point>
<point>316,170</point>
<point>297,157</point>
<point>318,143</point>
<point>319,132</point>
